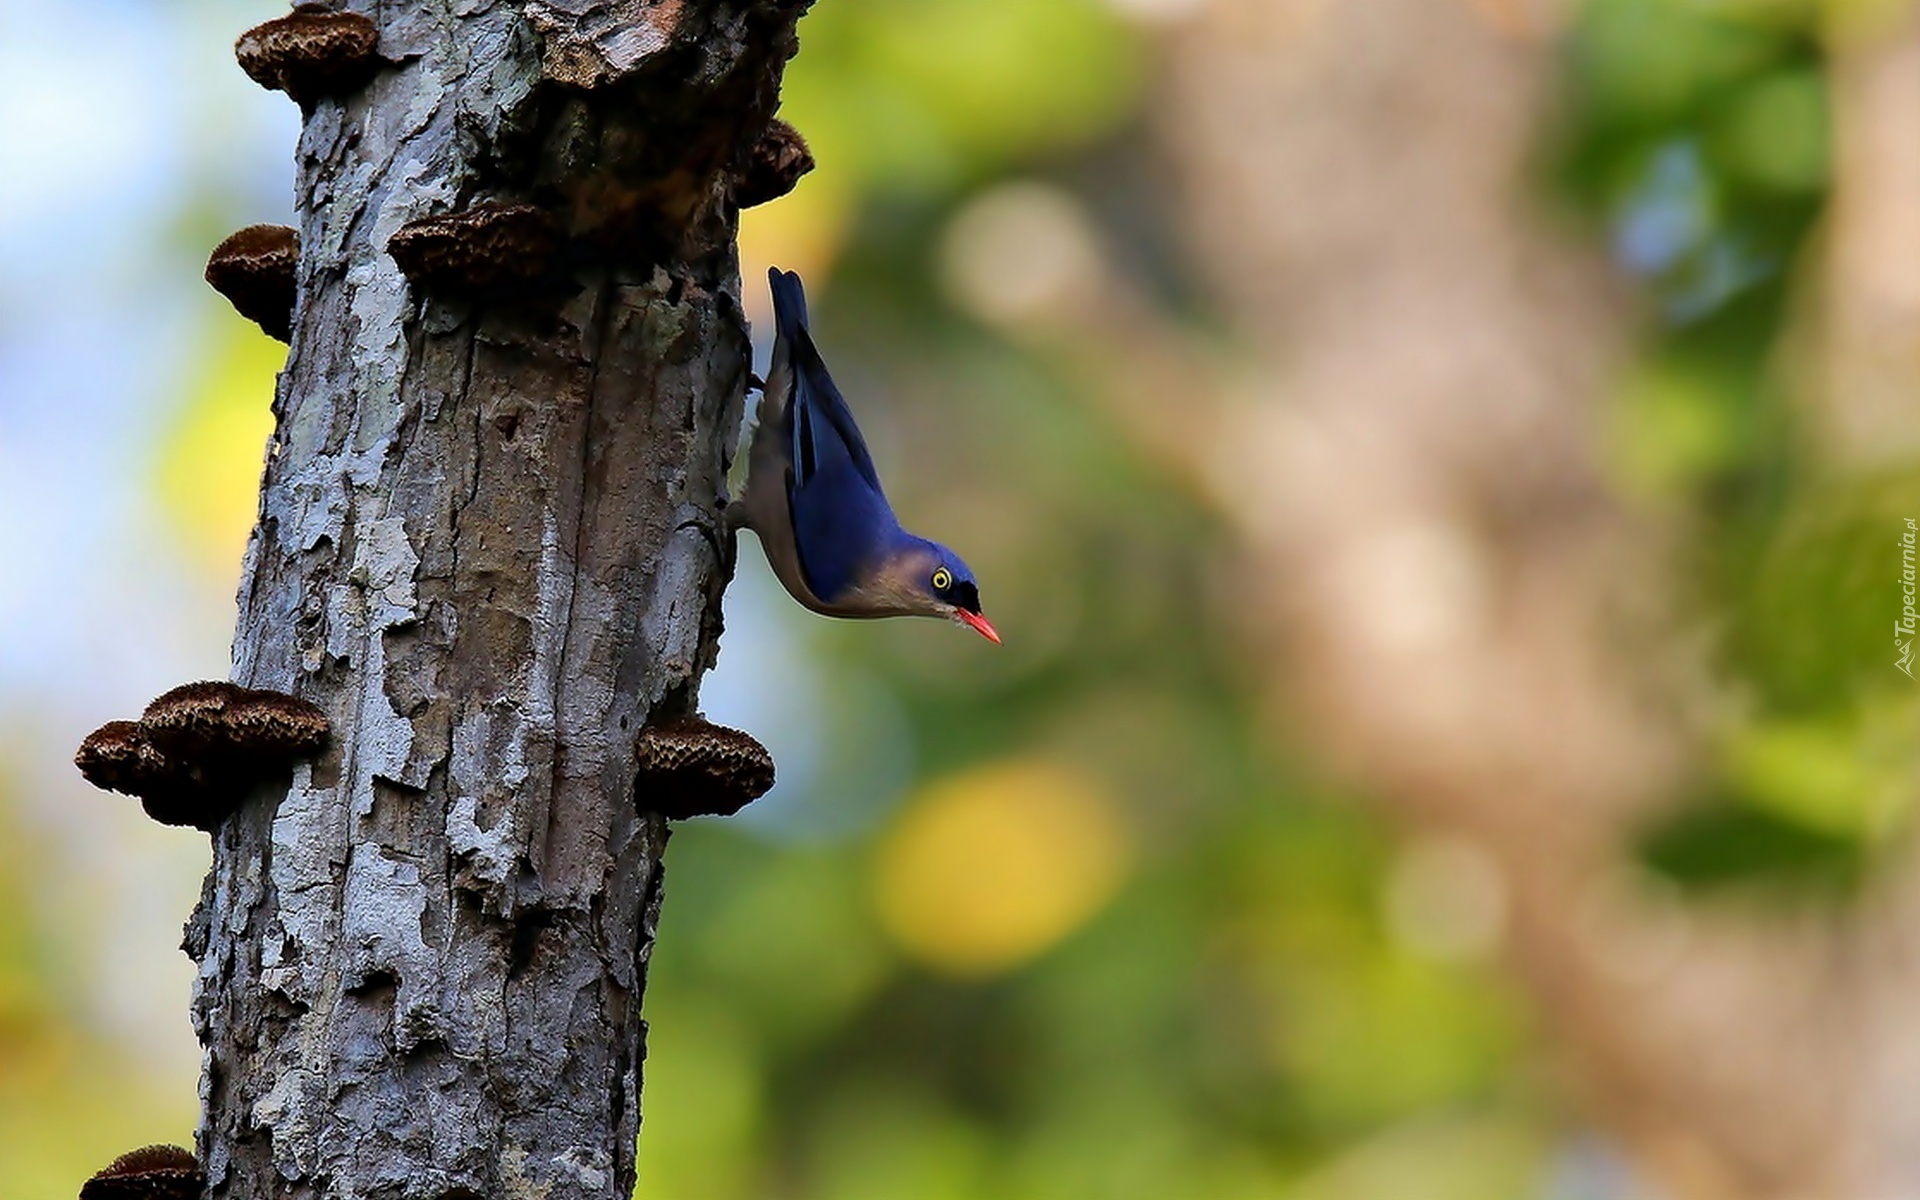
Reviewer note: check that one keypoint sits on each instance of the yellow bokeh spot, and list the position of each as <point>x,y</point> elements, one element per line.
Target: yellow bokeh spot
<point>802,231</point>
<point>985,870</point>
<point>208,477</point>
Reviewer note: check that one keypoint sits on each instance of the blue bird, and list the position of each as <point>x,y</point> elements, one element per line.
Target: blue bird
<point>814,499</point>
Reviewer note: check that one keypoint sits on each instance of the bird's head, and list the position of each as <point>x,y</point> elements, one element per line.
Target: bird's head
<point>926,579</point>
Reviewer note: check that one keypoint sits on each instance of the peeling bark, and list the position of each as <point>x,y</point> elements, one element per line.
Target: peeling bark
<point>489,549</point>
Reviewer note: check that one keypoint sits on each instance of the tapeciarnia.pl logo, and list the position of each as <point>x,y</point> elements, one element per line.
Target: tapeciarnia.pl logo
<point>1903,628</point>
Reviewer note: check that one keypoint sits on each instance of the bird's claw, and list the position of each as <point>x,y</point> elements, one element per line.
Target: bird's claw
<point>719,534</point>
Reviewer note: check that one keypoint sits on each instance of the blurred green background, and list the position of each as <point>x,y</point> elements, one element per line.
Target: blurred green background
<point>1064,920</point>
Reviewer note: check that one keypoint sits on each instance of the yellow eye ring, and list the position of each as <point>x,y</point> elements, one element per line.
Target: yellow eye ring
<point>942,579</point>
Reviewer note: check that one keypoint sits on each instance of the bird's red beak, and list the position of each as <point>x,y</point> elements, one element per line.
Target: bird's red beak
<point>979,624</point>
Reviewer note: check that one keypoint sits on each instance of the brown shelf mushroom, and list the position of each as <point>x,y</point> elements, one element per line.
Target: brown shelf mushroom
<point>773,166</point>
<point>482,248</point>
<point>149,1173</point>
<point>690,768</point>
<point>197,751</point>
<point>310,53</point>
<point>254,270</point>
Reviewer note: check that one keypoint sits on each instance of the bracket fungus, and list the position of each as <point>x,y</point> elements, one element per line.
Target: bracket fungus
<point>690,768</point>
<point>197,751</point>
<point>254,270</point>
<point>149,1173</point>
<point>482,248</point>
<point>773,165</point>
<point>310,53</point>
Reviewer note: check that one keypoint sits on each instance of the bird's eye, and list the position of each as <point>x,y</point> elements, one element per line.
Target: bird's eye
<point>942,579</point>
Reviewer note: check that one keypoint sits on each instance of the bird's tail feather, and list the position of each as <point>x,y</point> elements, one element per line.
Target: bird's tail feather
<point>789,301</point>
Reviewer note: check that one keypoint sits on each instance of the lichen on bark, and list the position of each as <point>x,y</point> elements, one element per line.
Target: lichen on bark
<point>489,549</point>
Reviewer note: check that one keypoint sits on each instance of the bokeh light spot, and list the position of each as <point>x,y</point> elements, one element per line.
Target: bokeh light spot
<point>802,231</point>
<point>208,479</point>
<point>1022,252</point>
<point>988,869</point>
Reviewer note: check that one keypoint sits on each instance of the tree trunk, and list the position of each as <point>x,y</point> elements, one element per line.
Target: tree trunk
<point>1868,340</point>
<point>1467,617</point>
<point>489,549</point>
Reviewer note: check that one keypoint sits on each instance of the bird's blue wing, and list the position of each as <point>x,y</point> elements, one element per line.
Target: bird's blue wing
<point>842,523</point>
<point>813,387</point>
<point>841,528</point>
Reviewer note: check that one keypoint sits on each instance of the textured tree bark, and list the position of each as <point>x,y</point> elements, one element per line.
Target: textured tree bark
<point>488,548</point>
